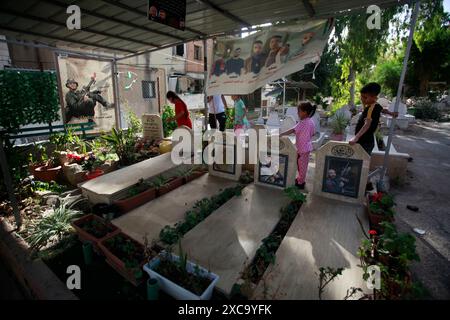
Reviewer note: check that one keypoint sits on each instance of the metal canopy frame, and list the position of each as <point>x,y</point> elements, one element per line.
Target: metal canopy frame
<point>216,17</point>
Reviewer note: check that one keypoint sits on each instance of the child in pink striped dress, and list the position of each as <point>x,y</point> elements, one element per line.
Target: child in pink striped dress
<point>304,131</point>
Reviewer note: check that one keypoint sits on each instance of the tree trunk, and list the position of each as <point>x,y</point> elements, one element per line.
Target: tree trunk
<point>423,87</point>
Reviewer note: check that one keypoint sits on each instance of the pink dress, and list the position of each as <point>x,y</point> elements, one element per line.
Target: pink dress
<point>304,131</point>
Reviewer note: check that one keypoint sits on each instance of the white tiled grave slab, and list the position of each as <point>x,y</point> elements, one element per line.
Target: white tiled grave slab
<point>170,208</point>
<point>105,188</point>
<point>228,239</point>
<point>325,233</point>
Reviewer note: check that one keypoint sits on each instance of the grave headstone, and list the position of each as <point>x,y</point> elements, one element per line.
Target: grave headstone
<point>341,172</point>
<point>276,174</point>
<point>152,127</point>
<point>228,156</point>
<point>288,123</point>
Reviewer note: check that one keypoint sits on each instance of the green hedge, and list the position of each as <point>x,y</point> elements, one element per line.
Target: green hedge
<point>27,97</point>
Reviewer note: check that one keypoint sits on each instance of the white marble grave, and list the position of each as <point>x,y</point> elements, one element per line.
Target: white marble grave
<point>341,172</point>
<point>152,127</point>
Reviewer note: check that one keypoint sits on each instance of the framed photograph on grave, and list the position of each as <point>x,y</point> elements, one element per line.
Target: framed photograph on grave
<point>271,173</point>
<point>342,176</point>
<point>226,167</point>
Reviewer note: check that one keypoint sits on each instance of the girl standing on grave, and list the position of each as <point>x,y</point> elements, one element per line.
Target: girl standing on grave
<point>240,114</point>
<point>304,131</point>
<point>181,111</point>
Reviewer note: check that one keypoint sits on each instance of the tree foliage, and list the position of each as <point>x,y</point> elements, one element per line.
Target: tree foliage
<point>430,52</point>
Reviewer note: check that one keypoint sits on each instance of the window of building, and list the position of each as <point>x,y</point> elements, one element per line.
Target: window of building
<point>148,89</point>
<point>179,50</point>
<point>197,52</point>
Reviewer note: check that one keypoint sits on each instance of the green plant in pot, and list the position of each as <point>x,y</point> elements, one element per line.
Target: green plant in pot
<point>168,126</point>
<point>91,165</point>
<point>338,125</point>
<point>380,208</point>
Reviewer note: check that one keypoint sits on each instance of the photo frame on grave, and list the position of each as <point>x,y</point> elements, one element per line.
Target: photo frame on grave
<point>282,176</point>
<point>341,172</point>
<point>225,170</point>
<point>278,176</point>
<point>342,176</point>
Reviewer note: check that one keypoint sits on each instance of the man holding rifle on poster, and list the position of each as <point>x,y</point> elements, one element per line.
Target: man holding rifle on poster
<point>81,103</point>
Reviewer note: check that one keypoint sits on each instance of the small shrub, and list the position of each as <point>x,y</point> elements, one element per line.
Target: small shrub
<point>425,109</point>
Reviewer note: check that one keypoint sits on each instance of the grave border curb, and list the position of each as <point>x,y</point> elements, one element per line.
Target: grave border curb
<point>37,280</point>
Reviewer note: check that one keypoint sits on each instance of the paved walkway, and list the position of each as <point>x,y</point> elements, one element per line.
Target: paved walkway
<point>325,233</point>
<point>427,187</point>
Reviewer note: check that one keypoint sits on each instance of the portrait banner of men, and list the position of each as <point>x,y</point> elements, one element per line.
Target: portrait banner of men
<point>242,65</point>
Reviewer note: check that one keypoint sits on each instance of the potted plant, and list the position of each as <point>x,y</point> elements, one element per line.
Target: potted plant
<point>379,139</point>
<point>190,174</point>
<point>164,185</point>
<point>140,193</point>
<point>338,125</point>
<point>49,171</point>
<point>395,252</point>
<point>181,278</point>
<point>380,208</point>
<point>125,255</point>
<point>91,166</point>
<point>94,229</point>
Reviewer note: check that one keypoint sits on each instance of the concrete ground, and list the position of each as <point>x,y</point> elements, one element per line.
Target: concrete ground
<point>427,187</point>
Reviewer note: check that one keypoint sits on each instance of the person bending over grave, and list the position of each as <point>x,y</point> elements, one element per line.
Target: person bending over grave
<point>81,103</point>
<point>304,131</point>
<point>181,111</point>
<point>370,117</point>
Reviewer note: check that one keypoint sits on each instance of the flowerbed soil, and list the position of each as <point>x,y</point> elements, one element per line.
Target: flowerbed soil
<point>96,228</point>
<point>125,249</point>
<point>189,281</point>
<point>98,281</point>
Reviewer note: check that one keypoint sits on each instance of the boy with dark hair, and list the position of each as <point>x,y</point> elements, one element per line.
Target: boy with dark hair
<point>370,117</point>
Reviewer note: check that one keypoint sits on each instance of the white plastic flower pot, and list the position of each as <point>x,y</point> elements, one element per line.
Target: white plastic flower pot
<point>173,289</point>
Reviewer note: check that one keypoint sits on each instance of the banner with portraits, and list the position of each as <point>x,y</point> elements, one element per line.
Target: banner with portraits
<point>242,65</point>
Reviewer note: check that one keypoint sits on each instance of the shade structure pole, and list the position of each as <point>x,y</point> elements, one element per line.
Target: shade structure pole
<point>205,72</point>
<point>414,16</point>
<point>115,79</point>
<point>9,185</point>
<point>284,97</point>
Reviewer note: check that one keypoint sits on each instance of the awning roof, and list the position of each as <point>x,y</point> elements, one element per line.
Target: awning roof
<point>122,27</point>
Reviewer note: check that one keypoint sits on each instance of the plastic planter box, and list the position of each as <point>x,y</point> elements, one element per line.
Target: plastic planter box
<point>173,289</point>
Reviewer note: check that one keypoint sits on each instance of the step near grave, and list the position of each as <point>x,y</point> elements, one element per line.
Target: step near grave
<point>170,208</point>
<point>325,233</point>
<point>228,239</point>
<point>108,187</point>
